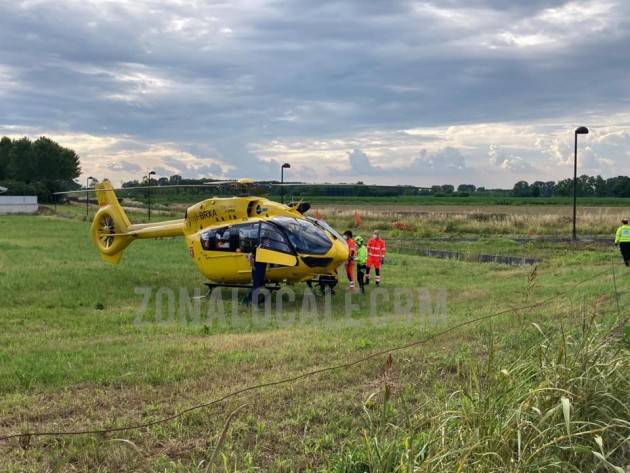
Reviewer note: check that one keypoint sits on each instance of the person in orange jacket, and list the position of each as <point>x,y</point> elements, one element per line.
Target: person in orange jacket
<point>376,256</point>
<point>352,252</point>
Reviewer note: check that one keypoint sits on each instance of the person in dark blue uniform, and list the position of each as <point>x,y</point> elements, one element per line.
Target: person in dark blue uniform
<point>259,270</point>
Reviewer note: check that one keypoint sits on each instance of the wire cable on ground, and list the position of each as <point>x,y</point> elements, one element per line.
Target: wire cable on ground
<point>306,374</point>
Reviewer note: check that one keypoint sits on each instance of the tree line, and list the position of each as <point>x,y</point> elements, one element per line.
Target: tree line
<point>586,186</point>
<point>38,167</point>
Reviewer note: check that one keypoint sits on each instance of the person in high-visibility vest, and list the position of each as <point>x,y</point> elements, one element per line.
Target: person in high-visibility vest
<point>362,256</point>
<point>622,238</point>
<point>352,250</point>
<point>376,256</point>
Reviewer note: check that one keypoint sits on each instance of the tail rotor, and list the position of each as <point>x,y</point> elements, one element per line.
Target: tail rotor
<point>106,230</point>
<point>110,225</point>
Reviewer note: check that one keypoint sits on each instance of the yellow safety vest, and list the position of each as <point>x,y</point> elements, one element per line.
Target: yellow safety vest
<point>623,234</point>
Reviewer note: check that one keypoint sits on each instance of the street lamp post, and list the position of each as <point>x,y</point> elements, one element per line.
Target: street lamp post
<point>151,173</point>
<point>579,131</point>
<point>282,168</point>
<point>87,197</point>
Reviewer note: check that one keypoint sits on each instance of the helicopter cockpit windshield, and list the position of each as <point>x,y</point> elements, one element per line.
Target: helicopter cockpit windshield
<point>305,236</point>
<point>328,228</point>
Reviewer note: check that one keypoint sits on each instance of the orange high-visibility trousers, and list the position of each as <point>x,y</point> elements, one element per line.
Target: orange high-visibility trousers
<point>374,261</point>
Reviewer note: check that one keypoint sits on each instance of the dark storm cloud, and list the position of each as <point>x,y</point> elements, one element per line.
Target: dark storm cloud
<point>213,78</point>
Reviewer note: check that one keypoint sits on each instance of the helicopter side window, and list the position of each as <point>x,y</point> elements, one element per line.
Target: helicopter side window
<point>209,240</point>
<point>272,238</point>
<point>220,239</point>
<point>248,237</point>
<point>223,239</point>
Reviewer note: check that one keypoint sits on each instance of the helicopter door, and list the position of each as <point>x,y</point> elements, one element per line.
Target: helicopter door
<point>274,247</point>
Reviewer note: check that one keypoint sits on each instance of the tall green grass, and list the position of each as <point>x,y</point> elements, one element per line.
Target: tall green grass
<point>559,404</point>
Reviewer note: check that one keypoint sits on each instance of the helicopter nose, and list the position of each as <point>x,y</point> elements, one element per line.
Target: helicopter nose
<point>339,252</point>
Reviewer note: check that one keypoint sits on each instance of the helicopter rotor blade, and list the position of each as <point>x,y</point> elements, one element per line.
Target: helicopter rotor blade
<point>174,186</point>
<point>332,184</point>
<point>236,183</point>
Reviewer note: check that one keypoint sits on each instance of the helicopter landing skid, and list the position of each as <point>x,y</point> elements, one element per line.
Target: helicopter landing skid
<point>212,286</point>
<point>324,283</point>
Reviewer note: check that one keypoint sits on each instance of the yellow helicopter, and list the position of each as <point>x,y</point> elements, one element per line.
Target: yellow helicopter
<point>226,235</point>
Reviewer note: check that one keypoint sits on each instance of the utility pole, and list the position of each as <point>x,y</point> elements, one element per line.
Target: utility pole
<point>151,173</point>
<point>579,131</point>
<point>87,197</point>
<point>282,168</point>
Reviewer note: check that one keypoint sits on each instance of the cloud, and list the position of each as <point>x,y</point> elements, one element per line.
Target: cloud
<point>139,81</point>
<point>445,161</point>
<point>490,154</point>
<point>557,27</point>
<point>360,164</point>
<point>509,162</point>
<point>123,166</point>
<point>193,168</point>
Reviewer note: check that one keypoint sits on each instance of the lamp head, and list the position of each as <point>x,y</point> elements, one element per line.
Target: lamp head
<point>581,131</point>
<point>286,165</point>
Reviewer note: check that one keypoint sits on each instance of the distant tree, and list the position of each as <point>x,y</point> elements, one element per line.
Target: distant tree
<point>54,162</point>
<point>586,185</point>
<point>549,188</point>
<point>521,189</point>
<point>535,190</point>
<point>618,186</point>
<point>5,149</point>
<point>466,188</point>
<point>564,187</point>
<point>600,187</point>
<point>541,189</point>
<point>21,165</point>
<point>133,183</point>
<point>41,167</point>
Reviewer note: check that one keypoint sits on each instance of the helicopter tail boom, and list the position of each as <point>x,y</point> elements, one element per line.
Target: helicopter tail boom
<point>112,232</point>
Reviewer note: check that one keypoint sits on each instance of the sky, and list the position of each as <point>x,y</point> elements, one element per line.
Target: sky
<point>486,92</point>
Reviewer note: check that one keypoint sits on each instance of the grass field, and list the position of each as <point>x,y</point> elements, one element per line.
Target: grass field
<point>446,221</point>
<point>169,196</point>
<point>439,220</point>
<point>538,388</point>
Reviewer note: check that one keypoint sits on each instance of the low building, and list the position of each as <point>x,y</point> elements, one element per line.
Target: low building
<point>18,204</point>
